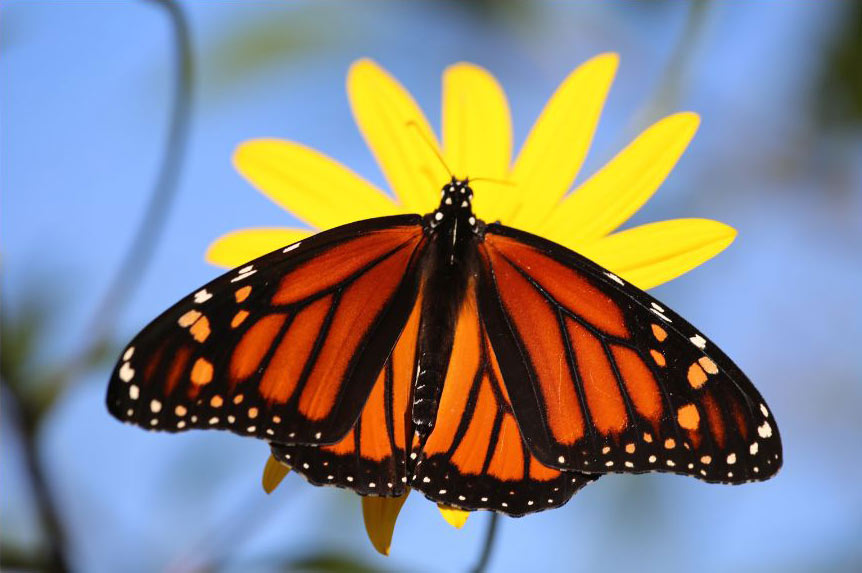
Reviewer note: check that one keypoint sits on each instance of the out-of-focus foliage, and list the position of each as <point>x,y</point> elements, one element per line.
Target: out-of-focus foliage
<point>839,94</point>
<point>253,44</point>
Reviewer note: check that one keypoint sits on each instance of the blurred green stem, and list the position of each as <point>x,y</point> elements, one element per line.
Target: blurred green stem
<point>27,418</point>
<point>488,545</point>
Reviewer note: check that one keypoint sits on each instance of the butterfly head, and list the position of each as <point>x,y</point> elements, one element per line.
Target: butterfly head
<point>456,205</point>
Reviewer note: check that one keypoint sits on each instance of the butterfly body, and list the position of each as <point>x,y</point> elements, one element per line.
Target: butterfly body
<point>450,262</point>
<point>484,366</point>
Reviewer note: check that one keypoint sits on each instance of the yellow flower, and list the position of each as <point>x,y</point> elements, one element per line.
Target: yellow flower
<point>477,142</point>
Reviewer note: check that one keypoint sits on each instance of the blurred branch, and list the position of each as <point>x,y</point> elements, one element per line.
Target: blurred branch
<point>488,545</point>
<point>670,85</point>
<point>149,231</point>
<point>26,420</point>
<point>30,395</point>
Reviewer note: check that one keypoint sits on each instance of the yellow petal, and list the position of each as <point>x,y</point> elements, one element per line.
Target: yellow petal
<point>380,514</point>
<point>453,516</point>
<point>238,247</point>
<point>384,112</point>
<point>315,188</point>
<point>652,254</point>
<point>477,135</point>
<point>558,143</point>
<point>608,198</point>
<point>273,472</point>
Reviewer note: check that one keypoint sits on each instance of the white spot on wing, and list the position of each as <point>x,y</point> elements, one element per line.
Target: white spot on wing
<point>614,278</point>
<point>660,315</point>
<point>291,247</point>
<point>244,272</point>
<point>202,296</point>
<point>764,430</point>
<point>127,355</point>
<point>126,372</point>
<point>698,341</point>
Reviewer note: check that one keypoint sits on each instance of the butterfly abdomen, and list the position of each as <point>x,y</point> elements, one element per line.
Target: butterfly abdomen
<point>449,265</point>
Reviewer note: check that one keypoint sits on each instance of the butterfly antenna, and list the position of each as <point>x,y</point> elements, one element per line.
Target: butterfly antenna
<point>431,146</point>
<point>508,182</point>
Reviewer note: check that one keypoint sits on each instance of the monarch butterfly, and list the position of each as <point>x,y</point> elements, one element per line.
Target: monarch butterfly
<point>487,367</point>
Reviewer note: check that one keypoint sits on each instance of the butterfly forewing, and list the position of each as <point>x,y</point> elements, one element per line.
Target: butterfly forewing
<point>605,379</point>
<point>285,348</point>
<point>372,458</point>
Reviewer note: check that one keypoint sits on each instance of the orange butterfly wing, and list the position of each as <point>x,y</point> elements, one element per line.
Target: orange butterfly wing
<point>605,379</point>
<point>286,348</point>
<point>476,457</point>
<point>372,458</point>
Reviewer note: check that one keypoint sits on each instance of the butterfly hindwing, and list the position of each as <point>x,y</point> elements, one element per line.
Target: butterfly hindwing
<point>603,378</point>
<point>475,456</point>
<point>286,348</point>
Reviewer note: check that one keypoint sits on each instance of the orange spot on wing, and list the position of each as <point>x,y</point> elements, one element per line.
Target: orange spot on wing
<point>696,376</point>
<point>566,285</point>
<point>708,365</point>
<point>202,372</point>
<point>176,369</point>
<point>600,385</point>
<point>688,417</point>
<point>188,318</point>
<point>507,463</point>
<point>659,332</point>
<point>242,293</point>
<point>537,324</point>
<point>337,264</point>
<point>739,417</point>
<point>357,310</point>
<point>254,345</point>
<point>288,361</point>
<point>716,422</point>
<point>200,329</point>
<point>238,318</point>
<point>639,382</point>
<point>658,357</point>
<point>152,364</point>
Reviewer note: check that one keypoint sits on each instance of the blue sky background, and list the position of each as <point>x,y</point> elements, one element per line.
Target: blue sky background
<point>84,98</point>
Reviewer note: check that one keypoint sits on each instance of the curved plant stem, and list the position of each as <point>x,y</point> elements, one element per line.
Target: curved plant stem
<point>488,545</point>
<point>152,225</point>
<point>26,421</point>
